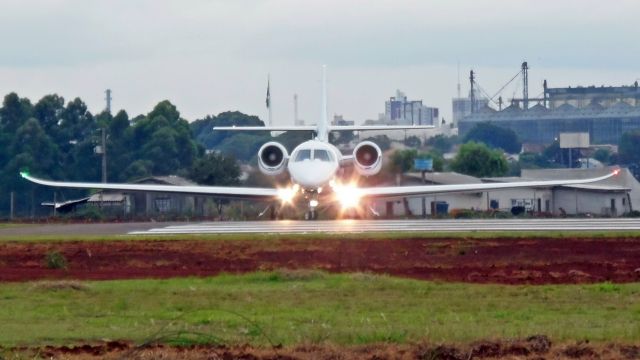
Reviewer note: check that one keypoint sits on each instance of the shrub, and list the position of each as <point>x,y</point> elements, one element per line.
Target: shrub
<point>55,260</point>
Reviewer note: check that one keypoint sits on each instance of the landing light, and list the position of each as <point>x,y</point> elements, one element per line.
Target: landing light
<point>313,203</point>
<point>286,195</point>
<point>348,195</point>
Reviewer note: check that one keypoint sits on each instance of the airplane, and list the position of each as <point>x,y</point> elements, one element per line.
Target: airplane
<point>314,167</point>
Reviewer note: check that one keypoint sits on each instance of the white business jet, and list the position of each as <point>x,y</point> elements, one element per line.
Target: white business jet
<point>313,167</point>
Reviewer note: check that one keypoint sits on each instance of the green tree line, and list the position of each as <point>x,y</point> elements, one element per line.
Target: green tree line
<point>56,139</point>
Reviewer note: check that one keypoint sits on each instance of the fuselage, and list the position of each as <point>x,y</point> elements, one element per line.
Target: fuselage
<point>314,164</point>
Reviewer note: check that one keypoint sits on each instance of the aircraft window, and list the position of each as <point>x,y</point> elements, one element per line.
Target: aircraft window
<point>322,155</point>
<point>304,154</point>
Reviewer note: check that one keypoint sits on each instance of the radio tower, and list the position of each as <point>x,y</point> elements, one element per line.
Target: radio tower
<point>108,99</point>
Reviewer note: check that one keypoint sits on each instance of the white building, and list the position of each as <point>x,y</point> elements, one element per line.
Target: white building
<point>612,197</point>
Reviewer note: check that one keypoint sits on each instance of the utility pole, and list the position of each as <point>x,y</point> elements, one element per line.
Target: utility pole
<point>525,86</point>
<point>104,155</point>
<point>11,206</point>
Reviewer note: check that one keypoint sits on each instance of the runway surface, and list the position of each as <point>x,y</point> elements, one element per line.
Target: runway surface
<point>363,226</point>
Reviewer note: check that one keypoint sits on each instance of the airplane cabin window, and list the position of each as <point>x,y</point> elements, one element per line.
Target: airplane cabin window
<point>304,154</point>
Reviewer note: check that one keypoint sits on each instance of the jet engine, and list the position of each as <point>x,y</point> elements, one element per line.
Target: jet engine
<point>367,158</point>
<point>272,158</point>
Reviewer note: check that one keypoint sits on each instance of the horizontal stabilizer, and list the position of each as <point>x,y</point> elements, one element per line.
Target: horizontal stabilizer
<point>331,128</point>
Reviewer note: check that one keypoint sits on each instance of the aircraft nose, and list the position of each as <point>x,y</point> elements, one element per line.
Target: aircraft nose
<point>311,174</point>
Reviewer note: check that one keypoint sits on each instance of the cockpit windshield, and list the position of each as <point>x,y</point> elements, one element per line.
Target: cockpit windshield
<point>304,154</point>
<point>322,155</point>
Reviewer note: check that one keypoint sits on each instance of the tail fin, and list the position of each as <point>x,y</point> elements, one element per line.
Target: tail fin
<point>323,128</point>
<point>323,123</point>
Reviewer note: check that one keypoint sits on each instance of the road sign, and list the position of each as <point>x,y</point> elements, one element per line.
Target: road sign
<point>423,164</point>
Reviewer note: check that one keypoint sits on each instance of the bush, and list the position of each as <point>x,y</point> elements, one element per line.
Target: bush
<point>55,260</point>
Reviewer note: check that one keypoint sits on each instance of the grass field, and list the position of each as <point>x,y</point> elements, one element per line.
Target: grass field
<point>292,307</point>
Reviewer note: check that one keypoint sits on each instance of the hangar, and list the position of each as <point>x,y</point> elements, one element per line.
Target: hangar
<point>612,197</point>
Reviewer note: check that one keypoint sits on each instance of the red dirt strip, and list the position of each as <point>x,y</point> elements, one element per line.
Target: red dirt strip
<point>503,261</point>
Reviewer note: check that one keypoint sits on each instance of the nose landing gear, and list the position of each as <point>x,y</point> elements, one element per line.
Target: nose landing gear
<point>312,214</point>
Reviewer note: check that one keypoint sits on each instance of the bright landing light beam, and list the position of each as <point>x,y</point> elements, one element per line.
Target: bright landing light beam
<point>348,195</point>
<point>286,195</point>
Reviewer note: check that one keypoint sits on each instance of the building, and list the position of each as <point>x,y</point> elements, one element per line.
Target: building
<point>612,197</point>
<point>139,203</point>
<point>338,120</point>
<point>604,112</point>
<point>461,106</point>
<point>400,111</point>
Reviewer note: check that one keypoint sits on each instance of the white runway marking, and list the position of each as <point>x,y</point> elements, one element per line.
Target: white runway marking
<point>362,226</point>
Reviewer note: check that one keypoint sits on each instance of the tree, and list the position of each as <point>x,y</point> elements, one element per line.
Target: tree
<point>402,160</point>
<point>413,142</point>
<point>495,137</point>
<point>215,169</point>
<point>48,111</point>
<point>202,129</point>
<point>14,112</point>
<point>441,143</point>
<point>602,155</point>
<point>629,147</point>
<point>477,159</point>
<point>535,161</point>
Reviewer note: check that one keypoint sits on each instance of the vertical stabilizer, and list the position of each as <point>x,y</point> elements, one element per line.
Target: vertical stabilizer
<point>323,123</point>
<point>270,122</point>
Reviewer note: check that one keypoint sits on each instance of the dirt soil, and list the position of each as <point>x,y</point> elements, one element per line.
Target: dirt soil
<point>534,347</point>
<point>504,261</point>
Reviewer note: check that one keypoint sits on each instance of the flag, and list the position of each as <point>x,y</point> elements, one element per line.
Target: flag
<point>268,94</point>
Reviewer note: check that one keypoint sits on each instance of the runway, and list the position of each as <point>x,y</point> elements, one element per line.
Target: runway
<point>364,226</point>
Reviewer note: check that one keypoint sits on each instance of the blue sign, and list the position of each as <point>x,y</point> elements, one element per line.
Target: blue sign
<point>423,164</point>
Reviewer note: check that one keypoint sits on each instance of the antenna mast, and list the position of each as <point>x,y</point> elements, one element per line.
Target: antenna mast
<point>525,86</point>
<point>108,99</point>
<point>472,93</point>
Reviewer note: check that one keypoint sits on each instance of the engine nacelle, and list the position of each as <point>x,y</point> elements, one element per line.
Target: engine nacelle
<point>272,158</point>
<point>367,158</point>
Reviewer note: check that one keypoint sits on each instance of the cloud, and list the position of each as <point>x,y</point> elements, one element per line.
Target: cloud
<point>209,56</point>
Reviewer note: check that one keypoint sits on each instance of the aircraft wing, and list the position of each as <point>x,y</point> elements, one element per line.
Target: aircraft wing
<point>400,191</point>
<point>266,128</point>
<point>220,191</point>
<point>378,127</point>
<point>331,128</point>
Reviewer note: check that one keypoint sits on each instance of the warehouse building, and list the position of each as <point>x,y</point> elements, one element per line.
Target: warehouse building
<point>603,112</point>
<point>615,196</point>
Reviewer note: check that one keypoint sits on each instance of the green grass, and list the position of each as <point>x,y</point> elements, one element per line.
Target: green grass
<point>315,236</point>
<point>312,307</point>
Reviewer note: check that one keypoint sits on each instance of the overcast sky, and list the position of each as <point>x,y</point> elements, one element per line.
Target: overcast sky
<point>209,56</point>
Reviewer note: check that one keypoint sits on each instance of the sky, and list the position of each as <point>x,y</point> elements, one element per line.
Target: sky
<point>208,56</point>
